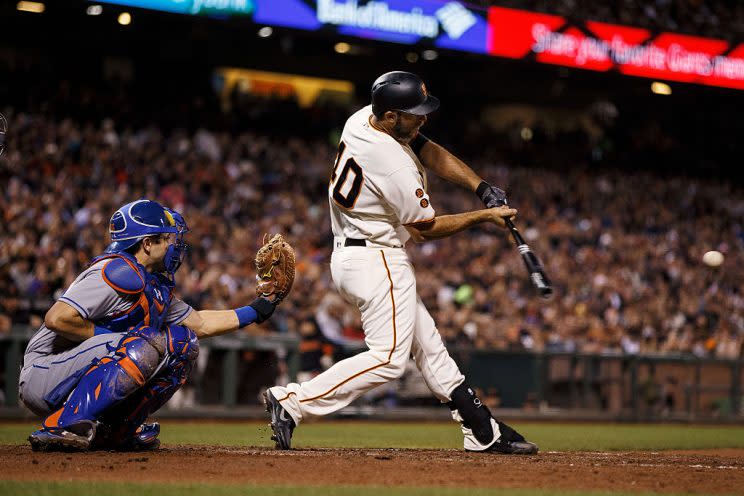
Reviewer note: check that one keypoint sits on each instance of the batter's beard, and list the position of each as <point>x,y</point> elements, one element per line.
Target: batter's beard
<point>401,135</point>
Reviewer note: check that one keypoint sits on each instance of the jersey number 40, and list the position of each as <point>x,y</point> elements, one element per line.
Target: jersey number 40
<point>350,172</point>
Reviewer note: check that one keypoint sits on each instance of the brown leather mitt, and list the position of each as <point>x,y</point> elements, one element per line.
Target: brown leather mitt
<point>275,268</point>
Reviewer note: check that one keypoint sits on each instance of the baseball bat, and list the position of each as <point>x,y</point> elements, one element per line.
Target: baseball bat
<point>534,267</point>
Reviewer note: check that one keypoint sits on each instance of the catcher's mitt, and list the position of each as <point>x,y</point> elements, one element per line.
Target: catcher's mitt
<point>275,268</point>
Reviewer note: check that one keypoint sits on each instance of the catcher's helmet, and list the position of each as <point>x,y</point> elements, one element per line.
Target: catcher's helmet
<point>137,220</point>
<point>402,91</point>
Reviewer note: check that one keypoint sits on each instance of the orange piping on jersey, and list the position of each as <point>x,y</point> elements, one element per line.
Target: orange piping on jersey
<point>117,288</point>
<point>170,339</point>
<point>378,129</point>
<point>130,368</point>
<point>288,395</point>
<point>98,390</point>
<point>392,350</point>
<point>392,299</point>
<point>420,221</point>
<point>158,305</point>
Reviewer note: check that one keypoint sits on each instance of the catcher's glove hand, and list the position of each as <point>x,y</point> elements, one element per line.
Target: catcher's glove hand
<point>275,269</point>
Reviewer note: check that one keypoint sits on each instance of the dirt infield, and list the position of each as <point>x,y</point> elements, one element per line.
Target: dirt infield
<point>710,471</point>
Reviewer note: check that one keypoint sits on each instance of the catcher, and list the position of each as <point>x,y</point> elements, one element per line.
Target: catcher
<point>117,344</point>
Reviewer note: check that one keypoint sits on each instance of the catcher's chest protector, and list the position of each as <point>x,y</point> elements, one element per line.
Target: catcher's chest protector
<point>151,293</point>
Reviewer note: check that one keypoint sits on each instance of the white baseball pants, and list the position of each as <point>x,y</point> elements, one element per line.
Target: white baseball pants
<point>381,282</point>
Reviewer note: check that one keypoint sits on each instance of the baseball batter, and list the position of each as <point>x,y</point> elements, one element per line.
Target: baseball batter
<point>117,344</point>
<point>378,198</point>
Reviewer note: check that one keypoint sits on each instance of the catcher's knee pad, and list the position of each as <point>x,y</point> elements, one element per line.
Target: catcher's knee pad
<point>182,349</point>
<point>111,379</point>
<point>154,337</point>
<point>182,343</point>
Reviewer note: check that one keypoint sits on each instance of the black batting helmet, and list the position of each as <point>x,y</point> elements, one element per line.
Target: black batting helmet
<point>402,91</point>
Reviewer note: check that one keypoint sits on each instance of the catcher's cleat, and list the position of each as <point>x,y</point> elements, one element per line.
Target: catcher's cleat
<point>145,438</point>
<point>77,437</point>
<point>511,443</point>
<point>281,423</point>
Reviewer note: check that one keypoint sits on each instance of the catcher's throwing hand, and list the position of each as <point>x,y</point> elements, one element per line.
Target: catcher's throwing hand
<point>275,269</point>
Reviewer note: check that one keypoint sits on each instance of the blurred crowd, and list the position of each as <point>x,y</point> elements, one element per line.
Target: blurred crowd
<point>623,248</point>
<point>722,19</point>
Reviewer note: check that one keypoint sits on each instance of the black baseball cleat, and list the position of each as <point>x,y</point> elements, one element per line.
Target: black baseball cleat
<point>511,443</point>
<point>281,423</point>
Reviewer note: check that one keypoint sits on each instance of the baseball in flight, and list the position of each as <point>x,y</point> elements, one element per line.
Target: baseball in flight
<point>713,258</point>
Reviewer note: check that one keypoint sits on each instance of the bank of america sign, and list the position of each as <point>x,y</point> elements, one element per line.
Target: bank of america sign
<point>454,18</point>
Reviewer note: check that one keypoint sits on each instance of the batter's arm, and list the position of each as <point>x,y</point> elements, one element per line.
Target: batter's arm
<point>447,225</point>
<point>66,321</point>
<point>445,165</point>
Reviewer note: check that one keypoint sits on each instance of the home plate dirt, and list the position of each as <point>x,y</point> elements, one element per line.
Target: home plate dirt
<point>705,471</point>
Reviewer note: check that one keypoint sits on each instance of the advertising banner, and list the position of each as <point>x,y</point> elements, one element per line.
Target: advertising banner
<point>435,23</point>
<point>605,47</point>
<point>192,7</point>
<point>430,23</point>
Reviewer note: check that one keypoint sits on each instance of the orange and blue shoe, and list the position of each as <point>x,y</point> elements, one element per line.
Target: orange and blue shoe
<point>77,437</point>
<point>145,438</point>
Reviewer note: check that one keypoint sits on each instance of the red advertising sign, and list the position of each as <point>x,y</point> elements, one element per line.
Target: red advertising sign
<point>599,46</point>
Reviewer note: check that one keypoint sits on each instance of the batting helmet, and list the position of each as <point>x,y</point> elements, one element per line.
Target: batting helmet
<point>137,220</point>
<point>402,91</point>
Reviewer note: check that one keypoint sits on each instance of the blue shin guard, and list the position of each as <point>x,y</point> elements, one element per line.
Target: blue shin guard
<point>182,349</point>
<point>111,379</point>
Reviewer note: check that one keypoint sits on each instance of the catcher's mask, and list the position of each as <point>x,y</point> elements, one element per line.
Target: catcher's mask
<point>177,250</point>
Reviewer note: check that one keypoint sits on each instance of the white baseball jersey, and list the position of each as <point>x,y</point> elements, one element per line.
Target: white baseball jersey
<point>378,185</point>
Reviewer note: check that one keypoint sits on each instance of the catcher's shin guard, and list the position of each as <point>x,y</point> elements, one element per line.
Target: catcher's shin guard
<point>182,349</point>
<point>111,379</point>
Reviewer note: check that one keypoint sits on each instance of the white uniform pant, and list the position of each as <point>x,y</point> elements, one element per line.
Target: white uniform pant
<point>381,282</point>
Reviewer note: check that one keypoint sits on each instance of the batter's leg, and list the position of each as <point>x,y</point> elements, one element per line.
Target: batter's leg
<point>480,430</point>
<point>382,285</point>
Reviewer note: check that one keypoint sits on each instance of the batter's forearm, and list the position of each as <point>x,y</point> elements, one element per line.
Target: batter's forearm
<point>446,225</point>
<point>450,168</point>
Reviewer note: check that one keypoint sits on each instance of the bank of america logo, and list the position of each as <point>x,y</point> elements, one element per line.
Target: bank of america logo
<point>455,19</point>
